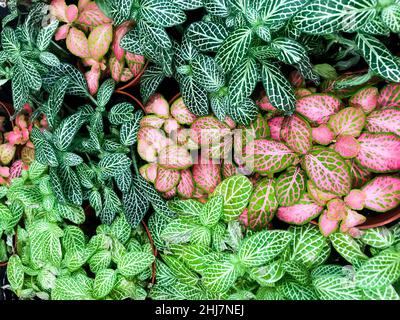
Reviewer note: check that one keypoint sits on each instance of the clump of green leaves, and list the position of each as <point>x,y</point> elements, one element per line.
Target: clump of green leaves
<point>54,259</point>
<point>25,57</point>
<point>293,264</point>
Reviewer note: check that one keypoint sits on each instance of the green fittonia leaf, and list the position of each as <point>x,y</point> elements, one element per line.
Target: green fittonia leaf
<point>236,192</point>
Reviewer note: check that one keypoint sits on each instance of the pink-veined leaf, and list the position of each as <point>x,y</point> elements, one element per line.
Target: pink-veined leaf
<point>135,62</point>
<point>92,79</point>
<point>302,92</point>
<point>174,157</point>
<point>92,16</point>
<point>348,121</point>
<point>318,107</point>
<point>379,152</point>
<point>336,209</point>
<point>352,219</point>
<point>262,204</point>
<point>147,151</point>
<point>347,146</point>
<point>99,41</point>
<point>116,67</point>
<point>296,79</point>
<point>208,130</point>
<point>359,174</point>
<point>385,120</point>
<point>296,132</point>
<point>355,199</point>
<point>228,169</point>
<point>290,185</point>
<point>77,43</point>
<point>207,175</point>
<point>275,126</point>
<point>119,32</point>
<point>382,193</point>
<point>166,179</point>
<point>327,169</point>
<point>171,126</point>
<point>152,121</point>
<point>300,213</point>
<point>157,105</point>
<point>366,99</point>
<point>390,96</point>
<point>326,225</point>
<point>186,186</point>
<point>62,32</point>
<point>319,196</point>
<point>259,127</point>
<point>264,104</point>
<point>181,113</point>
<point>58,9</point>
<point>153,136</point>
<point>322,135</point>
<point>170,194</point>
<point>149,172</point>
<point>268,156</point>
<point>126,75</point>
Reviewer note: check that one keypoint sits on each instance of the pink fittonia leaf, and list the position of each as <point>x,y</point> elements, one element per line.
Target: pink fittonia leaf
<point>336,209</point>
<point>302,92</point>
<point>385,120</point>
<point>27,155</point>
<point>268,156</point>
<point>379,152</point>
<point>120,31</point>
<point>92,16</point>
<point>147,151</point>
<point>135,62</point>
<point>366,99</point>
<point>230,123</point>
<point>174,157</point>
<point>126,75</point>
<point>186,186</point>
<point>99,41</point>
<point>152,136</point>
<point>390,96</point>
<point>349,121</point>
<point>296,132</point>
<point>347,146</point>
<point>77,43</point>
<point>296,79</point>
<point>300,213</point>
<point>16,169</point>
<point>62,32</point>
<point>199,194</point>
<point>152,121</point>
<point>355,199</point>
<point>260,127</point>
<point>262,204</point>
<point>359,174</point>
<point>92,79</point>
<point>116,67</point>
<point>157,105</point>
<point>326,225</point>
<point>322,135</point>
<point>71,13</point>
<point>289,186</point>
<point>207,175</point>
<point>171,126</point>
<point>382,193</point>
<point>208,130</point>
<point>181,113</point>
<point>351,220</point>
<point>327,169</point>
<point>319,196</point>
<point>166,179</point>
<point>228,169</point>
<point>275,126</point>
<point>355,232</point>
<point>318,107</point>
<point>82,4</point>
<point>149,172</point>
<point>170,194</point>
<point>264,103</point>
<point>58,9</point>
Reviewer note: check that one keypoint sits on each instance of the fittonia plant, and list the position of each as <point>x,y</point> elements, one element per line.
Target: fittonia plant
<point>89,35</point>
<point>50,257</point>
<point>206,254</point>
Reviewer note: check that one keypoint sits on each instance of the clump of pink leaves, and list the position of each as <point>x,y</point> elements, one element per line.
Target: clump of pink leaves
<point>89,35</point>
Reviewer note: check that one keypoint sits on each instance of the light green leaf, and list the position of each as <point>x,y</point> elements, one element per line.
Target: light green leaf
<point>49,59</point>
<point>380,270</point>
<point>104,282</point>
<point>379,237</point>
<point>100,261</point>
<point>212,211</point>
<point>133,263</point>
<point>236,192</point>
<point>382,293</point>
<point>66,131</point>
<point>78,287</point>
<point>220,276</point>
<point>331,287</point>
<point>15,273</point>
<point>391,17</point>
<point>177,232</point>
<point>348,248</point>
<point>263,246</point>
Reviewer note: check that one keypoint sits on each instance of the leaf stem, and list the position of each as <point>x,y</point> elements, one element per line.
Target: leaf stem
<point>134,161</point>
